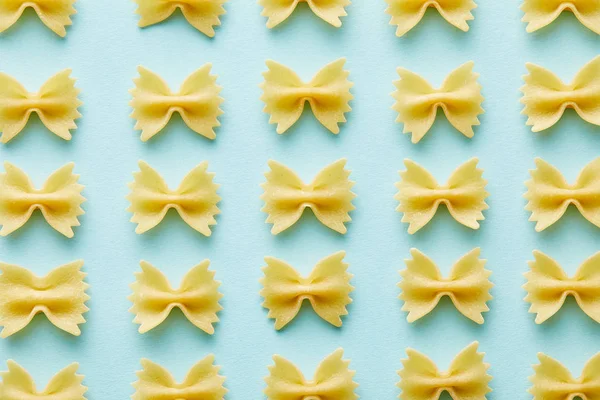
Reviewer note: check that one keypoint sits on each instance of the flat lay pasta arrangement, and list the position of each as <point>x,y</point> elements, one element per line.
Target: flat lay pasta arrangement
<point>501,138</point>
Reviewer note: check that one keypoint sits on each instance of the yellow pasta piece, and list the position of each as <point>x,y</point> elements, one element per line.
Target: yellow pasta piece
<point>332,380</point>
<point>60,296</point>
<point>197,102</point>
<point>329,11</point>
<point>552,381</point>
<point>406,14</point>
<point>55,104</point>
<point>541,13</point>
<point>55,14</point>
<point>153,297</point>
<point>17,384</point>
<point>201,382</point>
<point>59,200</point>
<point>328,94</point>
<point>327,288</point>
<point>417,102</point>
<point>420,195</point>
<point>328,196</point>
<point>466,379</point>
<point>201,14</point>
<point>467,286</point>
<point>550,195</point>
<point>195,200</point>
<point>546,97</point>
<point>548,286</point>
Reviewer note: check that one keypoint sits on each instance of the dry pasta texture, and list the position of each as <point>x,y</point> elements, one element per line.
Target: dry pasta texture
<point>55,104</point>
<point>329,11</point>
<point>17,384</point>
<point>59,200</point>
<point>60,296</point>
<point>541,13</point>
<point>420,195</point>
<point>195,200</point>
<point>549,194</point>
<point>201,382</point>
<point>332,379</point>
<point>328,94</point>
<point>329,196</point>
<point>417,102</point>
<point>548,286</point>
<point>423,286</point>
<point>197,101</point>
<point>153,297</point>
<point>55,14</point>
<point>466,379</point>
<point>327,288</point>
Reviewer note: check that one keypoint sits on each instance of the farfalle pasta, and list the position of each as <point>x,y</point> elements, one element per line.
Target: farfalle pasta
<point>195,200</point>
<point>55,104</point>
<point>328,94</point>
<point>541,13</point>
<point>201,382</point>
<point>549,194</point>
<point>329,11</point>
<point>466,379</point>
<point>420,195</point>
<point>201,14</point>
<point>17,384</point>
<point>406,14</point>
<point>548,286</point>
<point>546,97</point>
<point>60,296</point>
<point>417,102</point>
<point>197,101</point>
<point>197,297</point>
<point>329,196</point>
<point>59,200</point>
<point>423,286</point>
<point>56,14</point>
<point>327,288</point>
<point>332,380</point>
<point>553,381</point>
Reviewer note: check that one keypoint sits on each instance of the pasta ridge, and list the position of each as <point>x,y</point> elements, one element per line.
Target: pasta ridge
<point>329,11</point>
<point>539,14</point>
<point>56,15</point>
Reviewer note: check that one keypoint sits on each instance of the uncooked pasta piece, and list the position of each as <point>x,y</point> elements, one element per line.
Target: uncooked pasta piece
<point>541,13</point>
<point>55,14</point>
<point>328,10</point>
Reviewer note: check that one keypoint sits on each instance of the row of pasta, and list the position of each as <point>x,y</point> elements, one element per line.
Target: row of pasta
<point>285,94</point>
<point>329,196</point>
<point>61,294</point>
<point>467,378</point>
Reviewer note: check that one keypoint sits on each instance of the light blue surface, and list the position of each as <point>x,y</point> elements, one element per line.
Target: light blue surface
<point>104,46</point>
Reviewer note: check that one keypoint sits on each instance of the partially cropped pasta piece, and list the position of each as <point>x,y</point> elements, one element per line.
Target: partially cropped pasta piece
<point>541,13</point>
<point>329,11</point>
<point>55,14</point>
<point>406,14</point>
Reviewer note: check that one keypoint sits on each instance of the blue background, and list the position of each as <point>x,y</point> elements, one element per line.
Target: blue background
<point>104,46</point>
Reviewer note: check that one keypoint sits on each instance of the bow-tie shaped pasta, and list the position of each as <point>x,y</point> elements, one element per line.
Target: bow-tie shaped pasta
<point>55,14</point>
<point>552,381</point>
<point>420,195</point>
<point>406,14</point>
<point>17,384</point>
<point>546,97</point>
<point>201,14</point>
<point>328,196</point>
<point>550,195</point>
<point>197,102</point>
<point>59,200</point>
<point>195,200</point>
<point>548,287</point>
<point>56,105</point>
<point>327,288</point>
<point>332,380</point>
<point>201,382</point>
<point>328,10</point>
<point>153,297</point>
<point>467,286</point>
<point>60,295</point>
<point>417,102</point>
<point>466,379</point>
<point>328,94</point>
<point>541,13</point>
